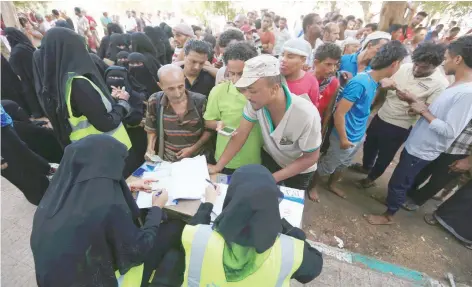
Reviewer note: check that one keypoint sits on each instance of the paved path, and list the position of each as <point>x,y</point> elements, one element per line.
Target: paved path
<point>17,265</point>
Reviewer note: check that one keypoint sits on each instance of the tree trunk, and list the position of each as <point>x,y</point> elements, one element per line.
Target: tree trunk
<point>332,6</point>
<point>392,13</point>
<point>9,14</point>
<point>366,9</point>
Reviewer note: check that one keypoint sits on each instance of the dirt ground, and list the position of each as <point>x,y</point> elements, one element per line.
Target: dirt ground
<point>409,242</point>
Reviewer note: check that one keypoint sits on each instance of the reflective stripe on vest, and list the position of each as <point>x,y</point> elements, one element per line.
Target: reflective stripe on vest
<point>204,255</point>
<point>132,278</point>
<point>81,127</point>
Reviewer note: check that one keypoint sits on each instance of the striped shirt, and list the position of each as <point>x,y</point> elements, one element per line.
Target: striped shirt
<point>463,143</point>
<point>179,131</point>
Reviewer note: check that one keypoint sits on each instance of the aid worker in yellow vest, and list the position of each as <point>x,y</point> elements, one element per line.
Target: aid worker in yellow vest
<point>84,230</point>
<point>249,244</point>
<point>73,93</point>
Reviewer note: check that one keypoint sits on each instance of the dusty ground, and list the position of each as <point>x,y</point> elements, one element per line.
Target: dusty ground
<point>409,242</point>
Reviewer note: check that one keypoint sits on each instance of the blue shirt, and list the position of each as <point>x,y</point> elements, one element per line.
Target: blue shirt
<point>361,92</point>
<point>348,63</point>
<point>6,119</point>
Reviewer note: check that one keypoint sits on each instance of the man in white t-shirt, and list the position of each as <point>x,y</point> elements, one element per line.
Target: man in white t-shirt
<point>290,125</point>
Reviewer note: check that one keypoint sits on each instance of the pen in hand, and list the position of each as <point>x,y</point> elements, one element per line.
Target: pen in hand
<point>210,182</point>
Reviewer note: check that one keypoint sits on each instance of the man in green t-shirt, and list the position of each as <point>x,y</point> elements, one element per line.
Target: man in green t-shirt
<point>225,109</point>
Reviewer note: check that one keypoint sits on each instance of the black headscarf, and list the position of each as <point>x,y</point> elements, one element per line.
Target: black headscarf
<point>64,55</point>
<point>116,40</point>
<point>140,43</point>
<point>126,80</point>
<point>83,228</point>
<point>158,42</point>
<point>167,29</point>
<point>63,24</point>
<point>122,59</point>
<point>143,74</point>
<point>101,66</point>
<point>11,88</point>
<point>250,215</point>
<point>21,62</point>
<point>112,28</point>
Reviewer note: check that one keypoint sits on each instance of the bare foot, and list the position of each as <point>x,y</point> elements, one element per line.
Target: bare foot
<point>337,191</point>
<point>312,195</point>
<point>379,219</point>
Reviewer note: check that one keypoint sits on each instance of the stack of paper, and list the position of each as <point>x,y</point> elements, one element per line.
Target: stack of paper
<point>144,200</point>
<point>185,179</point>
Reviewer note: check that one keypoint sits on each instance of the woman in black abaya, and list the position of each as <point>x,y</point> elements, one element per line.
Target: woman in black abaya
<point>140,43</point>
<point>21,61</point>
<point>84,230</point>
<point>158,42</point>
<point>13,90</point>
<point>455,214</point>
<point>122,59</point>
<point>117,44</point>
<point>250,224</point>
<point>119,77</point>
<point>167,30</point>
<point>61,62</point>
<point>140,69</point>
<point>100,64</point>
<point>37,136</point>
<point>112,28</point>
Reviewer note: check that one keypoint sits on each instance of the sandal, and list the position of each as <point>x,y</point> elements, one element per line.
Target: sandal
<point>429,219</point>
<point>410,206</point>
<point>468,246</point>
<point>359,168</point>
<point>365,183</point>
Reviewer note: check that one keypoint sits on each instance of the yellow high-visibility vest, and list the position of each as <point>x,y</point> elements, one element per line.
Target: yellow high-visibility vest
<point>81,127</point>
<point>132,278</point>
<point>204,260</point>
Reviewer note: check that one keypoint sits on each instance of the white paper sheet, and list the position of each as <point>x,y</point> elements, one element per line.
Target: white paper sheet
<point>291,207</point>
<point>144,200</point>
<point>218,206</point>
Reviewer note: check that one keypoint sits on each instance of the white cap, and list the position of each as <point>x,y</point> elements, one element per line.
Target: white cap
<point>297,46</point>
<point>258,67</point>
<point>374,36</point>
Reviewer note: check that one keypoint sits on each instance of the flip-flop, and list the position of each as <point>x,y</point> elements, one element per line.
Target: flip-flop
<point>358,168</point>
<point>429,219</point>
<point>360,184</point>
<point>410,206</point>
<point>468,246</point>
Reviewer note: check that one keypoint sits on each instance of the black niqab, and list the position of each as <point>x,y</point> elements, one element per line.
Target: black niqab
<point>251,215</point>
<point>64,55</point>
<point>143,74</point>
<point>82,229</point>
<point>112,28</point>
<point>140,43</point>
<point>13,90</point>
<point>117,44</point>
<point>122,59</point>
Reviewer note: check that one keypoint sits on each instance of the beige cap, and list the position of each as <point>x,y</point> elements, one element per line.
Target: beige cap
<point>258,67</point>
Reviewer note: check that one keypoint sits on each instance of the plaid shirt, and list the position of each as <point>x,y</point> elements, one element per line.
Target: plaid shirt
<point>463,143</point>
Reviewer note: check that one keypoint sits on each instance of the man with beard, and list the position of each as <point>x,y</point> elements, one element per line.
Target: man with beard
<point>312,24</point>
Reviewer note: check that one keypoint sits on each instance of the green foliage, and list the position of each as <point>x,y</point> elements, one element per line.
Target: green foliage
<point>30,5</point>
<point>205,9</point>
<point>455,8</point>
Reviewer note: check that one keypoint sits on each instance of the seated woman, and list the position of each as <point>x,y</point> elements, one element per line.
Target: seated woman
<point>84,230</point>
<point>248,245</point>
<point>140,69</point>
<point>119,77</point>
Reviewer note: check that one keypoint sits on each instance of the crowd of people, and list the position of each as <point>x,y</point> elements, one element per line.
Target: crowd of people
<point>264,104</point>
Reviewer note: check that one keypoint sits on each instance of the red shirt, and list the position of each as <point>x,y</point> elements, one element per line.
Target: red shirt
<point>267,37</point>
<point>327,94</point>
<point>305,85</point>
